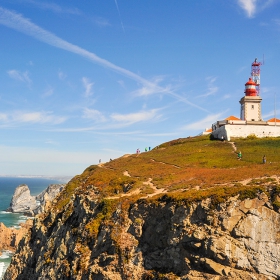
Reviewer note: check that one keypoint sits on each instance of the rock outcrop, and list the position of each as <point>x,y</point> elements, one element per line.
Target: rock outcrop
<point>23,202</point>
<point>10,237</point>
<point>45,197</point>
<point>164,240</point>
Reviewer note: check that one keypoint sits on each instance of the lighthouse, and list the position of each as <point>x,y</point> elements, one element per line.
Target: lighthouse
<point>251,103</point>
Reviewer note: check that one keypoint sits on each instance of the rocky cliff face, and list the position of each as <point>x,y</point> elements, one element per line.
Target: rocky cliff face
<point>23,202</point>
<point>46,196</point>
<point>237,239</point>
<point>10,237</point>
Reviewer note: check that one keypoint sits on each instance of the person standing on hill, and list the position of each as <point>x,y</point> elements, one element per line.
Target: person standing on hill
<point>239,155</point>
<point>264,159</point>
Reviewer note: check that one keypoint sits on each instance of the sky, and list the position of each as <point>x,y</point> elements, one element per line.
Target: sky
<point>83,81</point>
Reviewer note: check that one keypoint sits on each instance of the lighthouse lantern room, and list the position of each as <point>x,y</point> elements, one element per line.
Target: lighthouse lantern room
<point>250,103</point>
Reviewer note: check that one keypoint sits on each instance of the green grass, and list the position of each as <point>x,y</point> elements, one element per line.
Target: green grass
<point>179,166</point>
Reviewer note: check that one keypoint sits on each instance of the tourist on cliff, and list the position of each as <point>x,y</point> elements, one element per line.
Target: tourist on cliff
<point>239,155</point>
<point>264,159</point>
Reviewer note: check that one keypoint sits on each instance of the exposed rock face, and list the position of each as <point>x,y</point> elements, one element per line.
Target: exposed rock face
<point>23,202</point>
<point>167,240</point>
<point>46,196</point>
<point>10,237</point>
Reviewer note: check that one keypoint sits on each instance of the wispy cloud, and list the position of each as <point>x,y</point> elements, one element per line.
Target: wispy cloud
<point>88,86</point>
<point>3,117</point>
<point>204,123</point>
<point>31,118</point>
<point>48,92</point>
<point>102,22</point>
<point>94,115</point>
<point>20,76</point>
<point>21,24</point>
<point>53,7</point>
<point>211,88</point>
<point>252,6</point>
<point>271,114</point>
<point>62,76</point>
<point>141,116</point>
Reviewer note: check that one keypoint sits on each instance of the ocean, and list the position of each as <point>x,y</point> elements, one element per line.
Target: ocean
<point>7,188</point>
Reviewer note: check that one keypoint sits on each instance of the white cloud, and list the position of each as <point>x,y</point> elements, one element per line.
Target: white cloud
<point>62,76</point>
<point>24,25</point>
<point>271,114</point>
<point>101,21</point>
<point>137,117</point>
<point>211,88</point>
<point>93,115</point>
<point>20,76</point>
<point>31,117</point>
<point>249,6</point>
<point>204,123</point>
<point>53,7</point>
<point>88,87</point>
<point>252,6</point>
<point>3,117</point>
<point>226,96</point>
<point>38,117</point>
<point>48,92</point>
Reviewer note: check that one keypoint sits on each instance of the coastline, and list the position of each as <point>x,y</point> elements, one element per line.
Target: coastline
<point>13,221</point>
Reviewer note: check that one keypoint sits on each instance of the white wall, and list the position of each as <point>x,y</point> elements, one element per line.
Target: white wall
<point>234,130</point>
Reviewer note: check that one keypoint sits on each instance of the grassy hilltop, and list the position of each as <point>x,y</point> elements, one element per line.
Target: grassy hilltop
<point>183,170</point>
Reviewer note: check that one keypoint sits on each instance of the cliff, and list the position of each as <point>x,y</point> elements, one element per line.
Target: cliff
<point>176,212</point>
<point>10,237</point>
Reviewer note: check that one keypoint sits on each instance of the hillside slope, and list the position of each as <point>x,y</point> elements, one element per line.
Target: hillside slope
<point>188,209</point>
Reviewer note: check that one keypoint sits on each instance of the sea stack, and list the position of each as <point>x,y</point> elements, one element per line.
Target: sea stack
<point>22,201</point>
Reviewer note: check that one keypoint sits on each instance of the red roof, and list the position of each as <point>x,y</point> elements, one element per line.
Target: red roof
<point>232,118</point>
<point>273,120</point>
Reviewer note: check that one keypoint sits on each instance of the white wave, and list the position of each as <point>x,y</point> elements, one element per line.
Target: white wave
<point>23,217</point>
<point>6,254</point>
<point>16,227</point>
<point>2,269</point>
<point>4,212</point>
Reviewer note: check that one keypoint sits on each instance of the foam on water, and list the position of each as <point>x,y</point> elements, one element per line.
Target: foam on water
<point>5,261</point>
<point>1,269</point>
<point>7,188</point>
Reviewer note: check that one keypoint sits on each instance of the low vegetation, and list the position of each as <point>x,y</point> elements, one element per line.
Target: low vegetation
<point>183,170</point>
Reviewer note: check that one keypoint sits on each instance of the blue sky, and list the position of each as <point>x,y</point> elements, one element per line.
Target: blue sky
<point>89,80</point>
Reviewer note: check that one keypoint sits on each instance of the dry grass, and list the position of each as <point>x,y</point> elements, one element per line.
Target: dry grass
<point>180,167</point>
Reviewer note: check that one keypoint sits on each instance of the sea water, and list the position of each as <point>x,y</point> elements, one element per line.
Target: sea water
<point>7,188</point>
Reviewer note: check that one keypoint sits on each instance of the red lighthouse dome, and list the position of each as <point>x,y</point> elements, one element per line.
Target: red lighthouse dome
<point>250,88</point>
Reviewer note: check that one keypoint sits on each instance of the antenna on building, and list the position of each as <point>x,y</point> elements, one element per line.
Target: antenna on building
<point>256,74</point>
<point>274,109</point>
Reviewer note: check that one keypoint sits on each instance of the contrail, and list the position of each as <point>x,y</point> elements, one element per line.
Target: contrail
<point>23,25</point>
<point>119,15</point>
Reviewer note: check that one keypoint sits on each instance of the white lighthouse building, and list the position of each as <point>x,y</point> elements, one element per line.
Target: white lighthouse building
<point>250,122</point>
<point>250,103</point>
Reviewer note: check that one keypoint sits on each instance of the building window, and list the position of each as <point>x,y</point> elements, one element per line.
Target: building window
<point>252,106</point>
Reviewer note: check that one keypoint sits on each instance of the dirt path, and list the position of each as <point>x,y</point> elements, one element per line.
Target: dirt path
<point>233,146</point>
<point>135,192</point>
